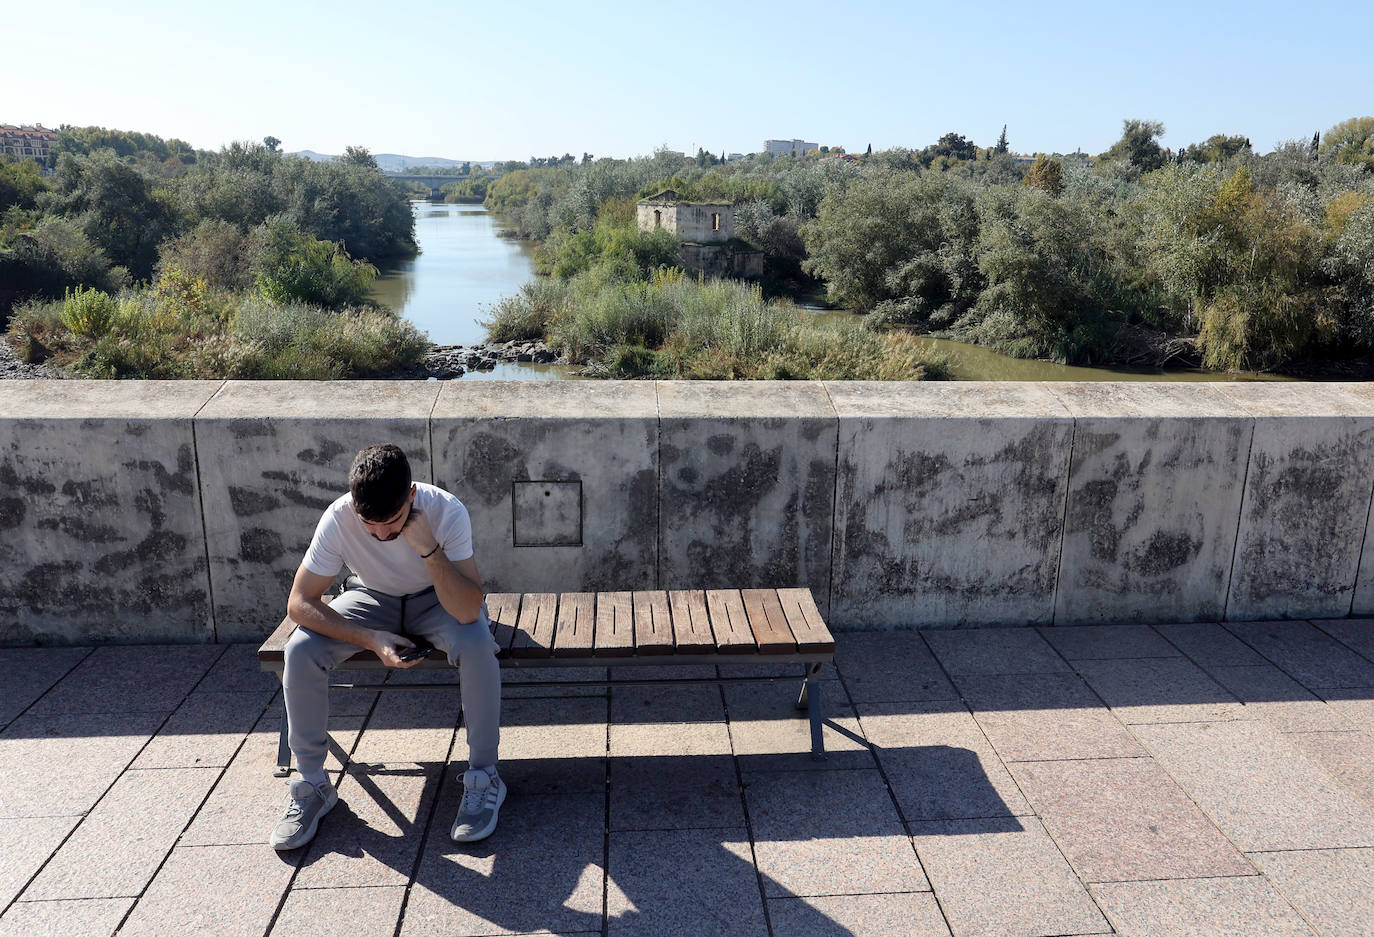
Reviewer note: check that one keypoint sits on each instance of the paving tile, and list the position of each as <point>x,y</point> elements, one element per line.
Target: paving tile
<point>668,738</point>
<point>1215,907</point>
<point>81,917</point>
<point>1271,695</point>
<point>890,666</point>
<point>1346,756</point>
<point>909,915</point>
<point>59,765</point>
<point>550,745</point>
<point>1355,633</point>
<point>205,731</point>
<point>635,705</point>
<point>1355,706</point>
<point>412,726</point>
<point>540,870</point>
<point>1108,642</point>
<point>995,651</point>
<point>1210,644</point>
<point>1159,690</point>
<point>769,733</point>
<point>938,762</point>
<point>26,673</point>
<point>829,833</point>
<point>1310,656</point>
<point>1333,889</point>
<point>248,885</point>
<point>237,671</point>
<point>334,912</point>
<point>1257,787</point>
<point>130,678</point>
<point>698,882</point>
<point>118,847</point>
<point>26,843</point>
<point>675,792</point>
<point>248,800</point>
<point>1010,882</point>
<point>1045,715</point>
<point>1121,819</point>
<point>374,833</point>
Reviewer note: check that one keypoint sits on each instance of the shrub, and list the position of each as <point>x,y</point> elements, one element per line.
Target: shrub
<point>89,312</point>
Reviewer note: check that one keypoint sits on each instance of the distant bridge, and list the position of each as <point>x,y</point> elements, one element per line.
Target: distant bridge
<point>434,182</point>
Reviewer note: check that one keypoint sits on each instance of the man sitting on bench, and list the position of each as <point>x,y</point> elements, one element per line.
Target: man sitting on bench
<point>409,547</point>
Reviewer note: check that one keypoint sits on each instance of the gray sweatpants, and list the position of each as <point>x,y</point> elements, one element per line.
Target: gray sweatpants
<point>471,648</point>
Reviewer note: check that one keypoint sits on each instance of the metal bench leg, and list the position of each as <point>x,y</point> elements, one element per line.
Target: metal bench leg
<point>810,700</point>
<point>283,749</point>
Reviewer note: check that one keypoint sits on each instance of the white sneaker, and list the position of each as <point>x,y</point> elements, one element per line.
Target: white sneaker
<point>483,794</point>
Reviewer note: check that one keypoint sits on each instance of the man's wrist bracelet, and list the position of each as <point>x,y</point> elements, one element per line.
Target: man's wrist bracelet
<point>425,556</point>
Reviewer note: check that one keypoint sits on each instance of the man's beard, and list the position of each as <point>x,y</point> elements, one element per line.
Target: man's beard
<point>388,539</point>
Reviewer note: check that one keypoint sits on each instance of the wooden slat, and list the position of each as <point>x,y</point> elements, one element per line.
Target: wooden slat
<point>274,648</point>
<point>691,624</point>
<point>729,624</point>
<point>576,624</point>
<point>536,626</point>
<point>804,618</point>
<point>503,608</point>
<point>767,621</point>
<point>615,625</point>
<point>653,625</point>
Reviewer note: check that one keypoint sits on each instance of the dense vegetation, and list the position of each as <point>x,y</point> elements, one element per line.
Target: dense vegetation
<point>1258,260</point>
<point>140,257</point>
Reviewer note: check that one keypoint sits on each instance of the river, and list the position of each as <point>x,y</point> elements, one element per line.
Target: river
<point>465,266</point>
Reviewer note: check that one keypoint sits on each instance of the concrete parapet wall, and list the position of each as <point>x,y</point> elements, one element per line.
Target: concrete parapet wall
<point>178,511</point>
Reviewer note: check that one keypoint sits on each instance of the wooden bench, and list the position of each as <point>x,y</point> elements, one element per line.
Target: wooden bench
<point>623,629</point>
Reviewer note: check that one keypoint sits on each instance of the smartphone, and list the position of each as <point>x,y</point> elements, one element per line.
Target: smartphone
<point>421,649</point>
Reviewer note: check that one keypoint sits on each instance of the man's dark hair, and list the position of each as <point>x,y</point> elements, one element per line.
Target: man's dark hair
<point>379,481</point>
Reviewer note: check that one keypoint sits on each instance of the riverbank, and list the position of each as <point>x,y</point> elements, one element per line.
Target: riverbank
<point>448,362</point>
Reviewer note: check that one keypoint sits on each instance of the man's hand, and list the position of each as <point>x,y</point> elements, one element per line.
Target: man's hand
<point>388,648</point>
<point>418,533</point>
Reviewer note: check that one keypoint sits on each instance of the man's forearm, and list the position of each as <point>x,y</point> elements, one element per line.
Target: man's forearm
<point>459,595</point>
<point>316,615</point>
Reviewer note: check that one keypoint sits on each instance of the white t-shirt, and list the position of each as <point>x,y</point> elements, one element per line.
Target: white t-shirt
<point>392,567</point>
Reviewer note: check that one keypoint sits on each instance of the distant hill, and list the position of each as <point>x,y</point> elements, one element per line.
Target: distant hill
<point>394,162</point>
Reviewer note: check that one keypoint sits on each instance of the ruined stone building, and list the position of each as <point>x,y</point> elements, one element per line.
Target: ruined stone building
<point>705,233</point>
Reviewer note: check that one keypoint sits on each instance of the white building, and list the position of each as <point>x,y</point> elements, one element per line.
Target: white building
<point>789,147</point>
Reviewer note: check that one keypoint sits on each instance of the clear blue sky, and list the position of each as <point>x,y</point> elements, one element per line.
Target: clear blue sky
<point>621,78</point>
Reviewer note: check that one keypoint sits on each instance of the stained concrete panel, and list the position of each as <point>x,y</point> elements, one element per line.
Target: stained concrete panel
<point>489,435</point>
<point>1306,501</point>
<point>1155,485</point>
<point>282,450</point>
<point>950,503</point>
<point>746,495</point>
<point>100,509</point>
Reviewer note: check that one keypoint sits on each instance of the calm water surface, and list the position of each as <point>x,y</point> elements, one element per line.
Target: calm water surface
<point>465,266</point>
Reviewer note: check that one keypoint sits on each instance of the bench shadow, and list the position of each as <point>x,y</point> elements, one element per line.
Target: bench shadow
<point>543,869</point>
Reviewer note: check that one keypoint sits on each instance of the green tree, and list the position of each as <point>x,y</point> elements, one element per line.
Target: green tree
<point>1139,145</point>
<point>358,156</point>
<point>20,183</point>
<point>1350,141</point>
<point>1002,145</point>
<point>115,205</point>
<point>1045,174</point>
<point>271,143</point>
<point>292,266</point>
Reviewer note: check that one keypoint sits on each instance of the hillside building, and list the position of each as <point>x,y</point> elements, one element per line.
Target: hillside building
<point>25,141</point>
<point>789,147</point>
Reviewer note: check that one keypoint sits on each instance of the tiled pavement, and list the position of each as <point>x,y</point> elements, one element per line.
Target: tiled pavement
<point>1173,780</point>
